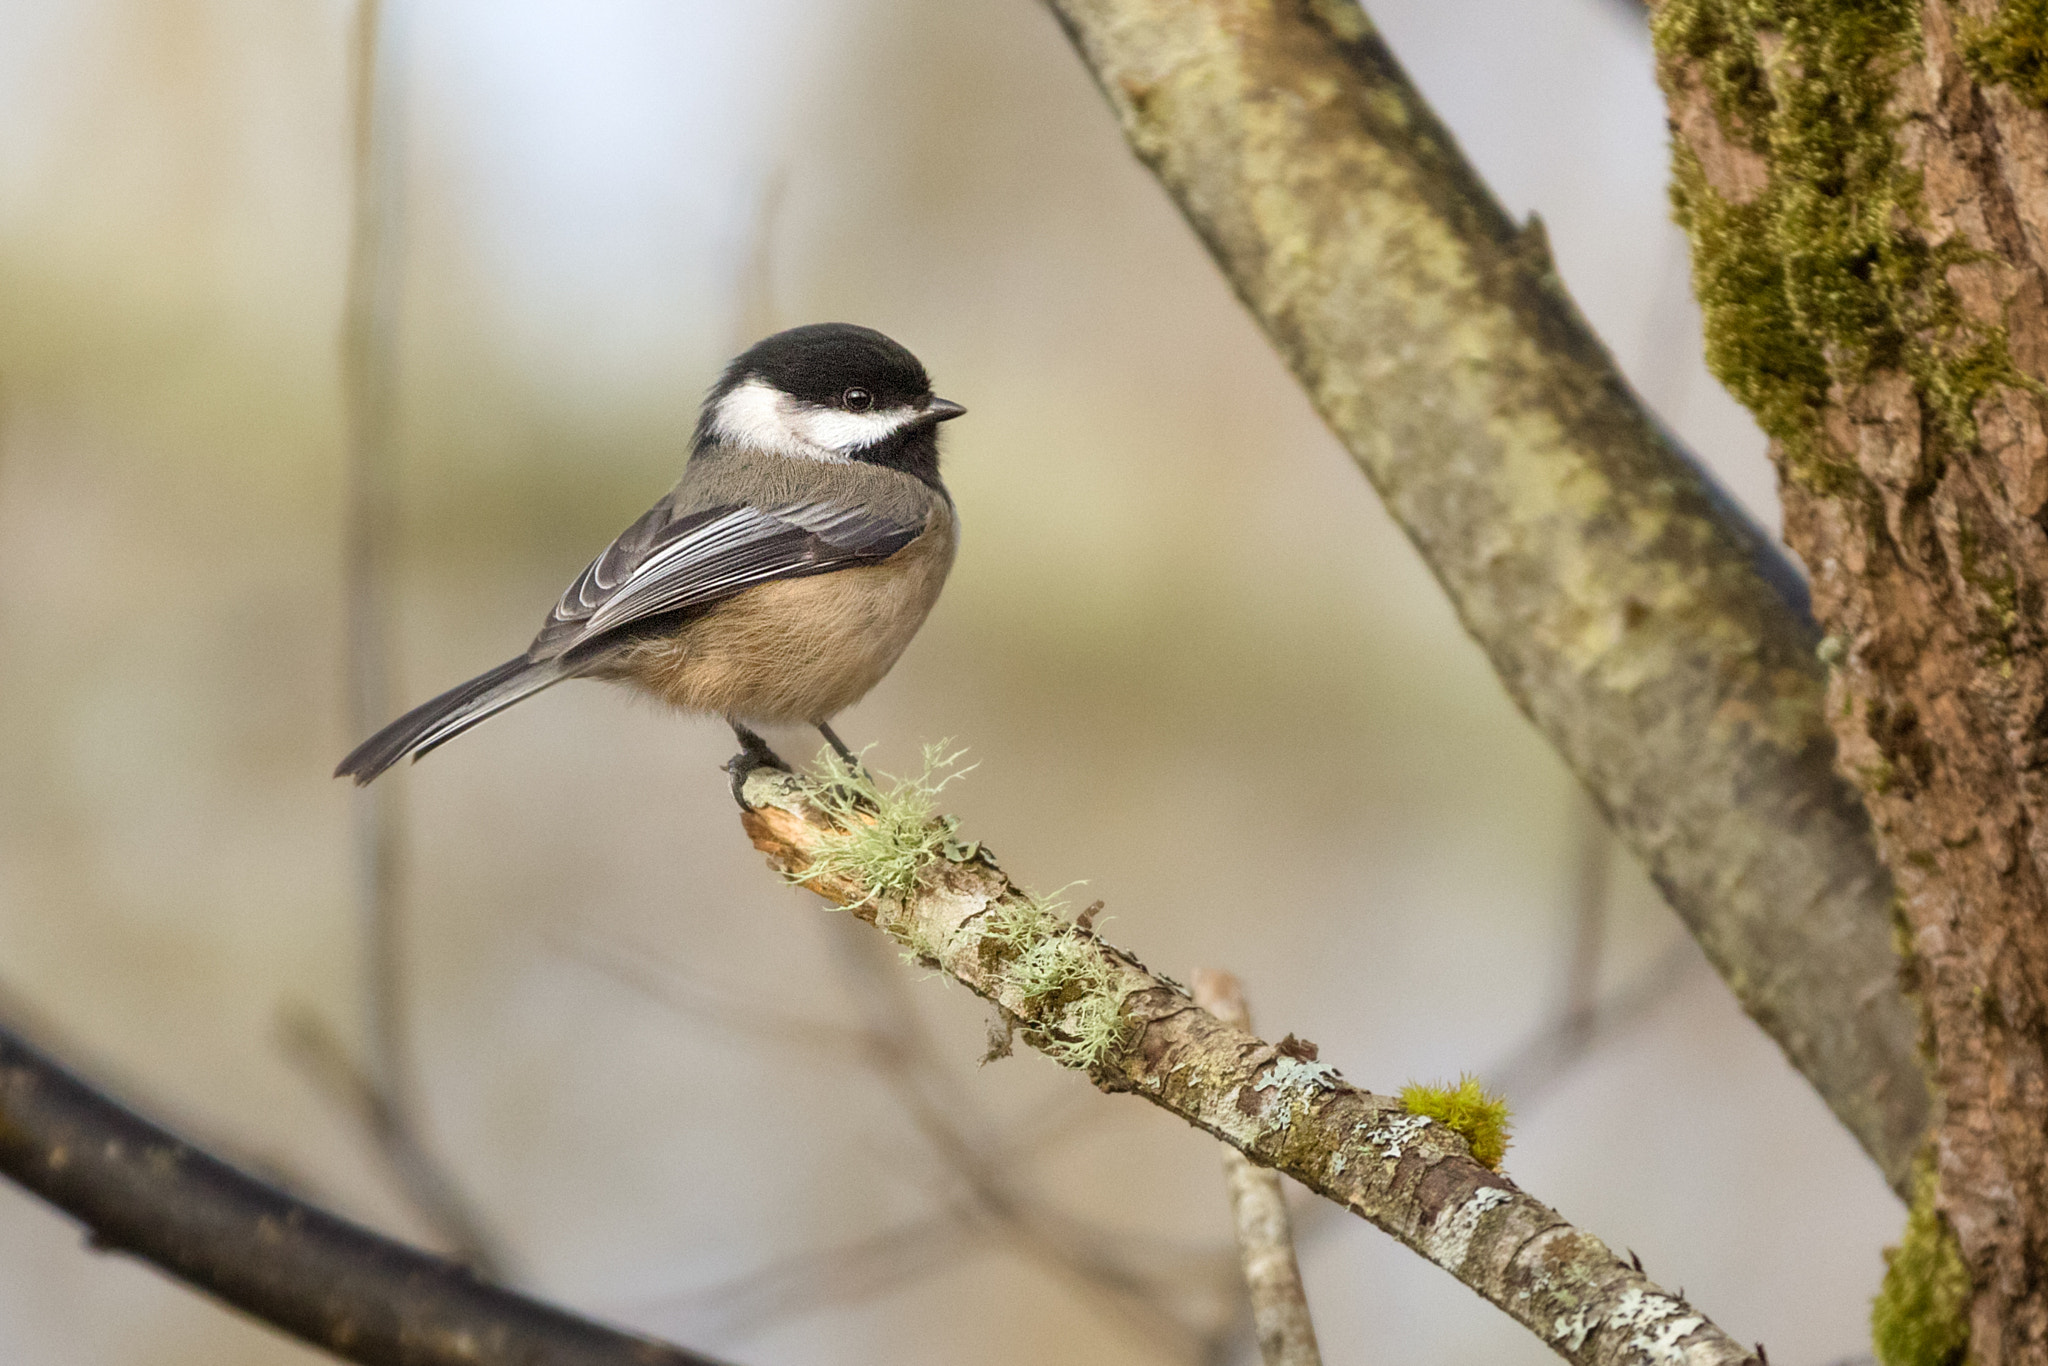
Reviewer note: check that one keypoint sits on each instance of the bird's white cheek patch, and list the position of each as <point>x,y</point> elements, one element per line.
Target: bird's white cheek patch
<point>755,414</point>
<point>838,430</point>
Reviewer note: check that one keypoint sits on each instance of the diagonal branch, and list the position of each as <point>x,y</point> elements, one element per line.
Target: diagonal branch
<point>1653,635</point>
<point>322,1279</point>
<point>1091,1005</point>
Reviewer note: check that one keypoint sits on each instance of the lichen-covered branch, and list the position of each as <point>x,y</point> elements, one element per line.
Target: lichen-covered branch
<point>1651,634</point>
<point>1088,1005</point>
<point>322,1279</point>
<point>1258,1211</point>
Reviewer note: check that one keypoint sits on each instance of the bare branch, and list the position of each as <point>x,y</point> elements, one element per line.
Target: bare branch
<point>368,394</point>
<point>1579,998</point>
<point>1258,1208</point>
<point>1091,1005</point>
<point>1564,1041</point>
<point>380,1095</point>
<point>992,1202</point>
<point>822,1278</point>
<point>645,969</point>
<point>331,1283</point>
<point>1655,637</point>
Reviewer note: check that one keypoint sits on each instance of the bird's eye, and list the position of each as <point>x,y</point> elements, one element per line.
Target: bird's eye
<point>857,400</point>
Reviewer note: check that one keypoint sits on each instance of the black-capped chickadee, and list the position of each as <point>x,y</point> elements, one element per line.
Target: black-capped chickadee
<point>777,582</point>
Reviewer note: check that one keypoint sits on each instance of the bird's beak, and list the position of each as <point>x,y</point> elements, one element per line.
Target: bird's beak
<point>942,410</point>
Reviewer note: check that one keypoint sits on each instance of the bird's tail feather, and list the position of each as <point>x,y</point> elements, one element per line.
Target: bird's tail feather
<point>453,712</point>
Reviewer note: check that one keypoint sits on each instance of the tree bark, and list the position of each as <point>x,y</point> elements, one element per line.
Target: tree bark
<point>1645,627</point>
<point>1866,188</point>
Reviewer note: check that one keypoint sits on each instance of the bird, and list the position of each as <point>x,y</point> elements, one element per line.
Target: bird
<point>776,583</point>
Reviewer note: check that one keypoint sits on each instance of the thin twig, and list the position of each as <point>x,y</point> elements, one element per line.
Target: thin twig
<point>757,314</point>
<point>381,1093</point>
<point>333,1284</point>
<point>643,968</point>
<point>819,1279</point>
<point>1258,1208</point>
<point>993,1202</point>
<point>368,360</point>
<point>1089,1004</point>
<point>1593,849</point>
<point>323,1059</point>
<point>1562,1043</point>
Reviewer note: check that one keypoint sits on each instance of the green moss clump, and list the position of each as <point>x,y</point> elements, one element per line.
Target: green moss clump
<point>1822,277</point>
<point>1921,1316</point>
<point>1754,343</point>
<point>2012,49</point>
<point>1467,1110</point>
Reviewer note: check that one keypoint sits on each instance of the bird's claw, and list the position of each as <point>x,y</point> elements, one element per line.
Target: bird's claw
<point>755,754</point>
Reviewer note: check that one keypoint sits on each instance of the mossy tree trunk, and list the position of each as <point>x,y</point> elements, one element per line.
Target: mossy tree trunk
<point>1866,187</point>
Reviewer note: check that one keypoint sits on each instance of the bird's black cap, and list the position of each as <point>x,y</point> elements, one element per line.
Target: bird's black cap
<point>819,362</point>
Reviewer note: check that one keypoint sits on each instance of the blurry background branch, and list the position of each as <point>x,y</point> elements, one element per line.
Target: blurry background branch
<point>1258,1208</point>
<point>1093,1006</point>
<point>360,1296</point>
<point>1581,1019</point>
<point>379,1094</point>
<point>977,1172</point>
<point>1658,640</point>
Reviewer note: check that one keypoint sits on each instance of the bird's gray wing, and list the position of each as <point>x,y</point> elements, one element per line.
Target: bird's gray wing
<point>668,563</point>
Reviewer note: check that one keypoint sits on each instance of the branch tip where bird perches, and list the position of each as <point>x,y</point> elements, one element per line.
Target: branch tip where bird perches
<point>1096,1008</point>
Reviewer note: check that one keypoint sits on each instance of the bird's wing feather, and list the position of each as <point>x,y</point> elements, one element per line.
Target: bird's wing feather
<point>666,564</point>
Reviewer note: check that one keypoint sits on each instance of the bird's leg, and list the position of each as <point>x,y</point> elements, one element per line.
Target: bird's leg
<point>858,787</point>
<point>839,747</point>
<point>754,753</point>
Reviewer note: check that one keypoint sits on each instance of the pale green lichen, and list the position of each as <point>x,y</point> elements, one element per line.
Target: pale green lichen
<point>1305,1075</point>
<point>1061,979</point>
<point>1921,1316</point>
<point>1655,1323</point>
<point>883,838</point>
<point>1390,1140</point>
<point>1295,1082</point>
<point>887,838</point>
<point>1468,1111</point>
<point>1450,1240</point>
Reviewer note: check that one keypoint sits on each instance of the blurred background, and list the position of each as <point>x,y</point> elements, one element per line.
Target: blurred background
<point>1198,667</point>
